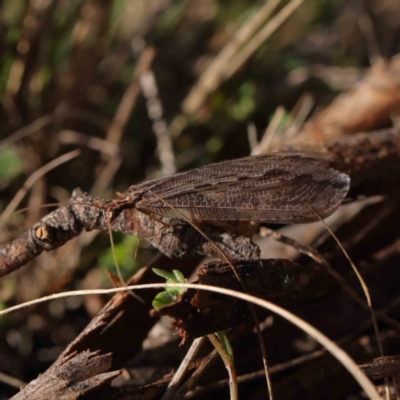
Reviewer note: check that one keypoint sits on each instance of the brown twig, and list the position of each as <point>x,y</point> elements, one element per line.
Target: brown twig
<point>173,237</point>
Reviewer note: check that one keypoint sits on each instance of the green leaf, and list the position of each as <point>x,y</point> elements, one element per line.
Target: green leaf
<point>164,274</point>
<point>170,294</point>
<point>180,278</point>
<point>172,277</point>
<point>164,299</point>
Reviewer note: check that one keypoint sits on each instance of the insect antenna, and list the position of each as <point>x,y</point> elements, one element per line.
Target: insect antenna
<point>123,283</point>
<point>139,240</point>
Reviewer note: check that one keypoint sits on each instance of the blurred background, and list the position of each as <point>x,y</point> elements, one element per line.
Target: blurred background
<point>145,89</point>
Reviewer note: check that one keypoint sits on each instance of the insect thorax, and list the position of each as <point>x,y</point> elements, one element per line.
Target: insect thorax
<point>135,194</point>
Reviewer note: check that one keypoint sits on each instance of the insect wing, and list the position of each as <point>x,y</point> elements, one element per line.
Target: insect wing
<point>280,188</point>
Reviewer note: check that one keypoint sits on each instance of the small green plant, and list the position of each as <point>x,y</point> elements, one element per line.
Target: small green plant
<point>169,295</point>
<point>218,339</point>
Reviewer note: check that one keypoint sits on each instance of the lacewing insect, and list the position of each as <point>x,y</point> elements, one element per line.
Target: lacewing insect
<point>275,188</point>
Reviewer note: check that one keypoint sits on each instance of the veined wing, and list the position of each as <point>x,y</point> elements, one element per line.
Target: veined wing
<point>280,188</point>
